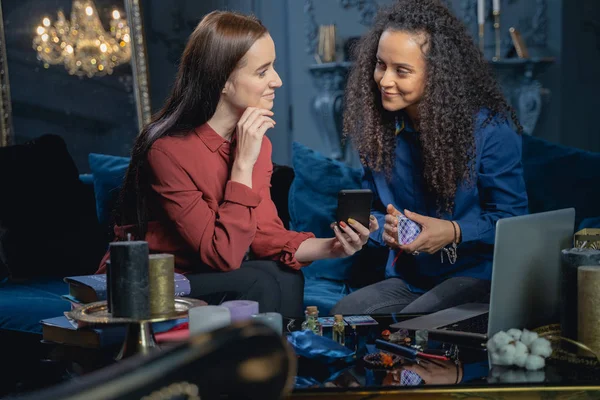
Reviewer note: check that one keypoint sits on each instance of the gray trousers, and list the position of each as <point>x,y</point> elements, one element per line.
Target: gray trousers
<point>393,296</point>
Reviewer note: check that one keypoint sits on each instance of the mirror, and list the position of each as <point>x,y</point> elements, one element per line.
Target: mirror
<point>75,68</point>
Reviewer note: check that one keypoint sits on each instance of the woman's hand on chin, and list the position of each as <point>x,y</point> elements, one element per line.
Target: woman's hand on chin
<point>251,128</point>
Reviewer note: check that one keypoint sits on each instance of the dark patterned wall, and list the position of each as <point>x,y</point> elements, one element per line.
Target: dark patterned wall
<point>553,92</point>
<point>557,101</point>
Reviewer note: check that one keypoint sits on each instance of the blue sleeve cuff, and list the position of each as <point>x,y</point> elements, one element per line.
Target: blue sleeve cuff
<point>377,236</point>
<point>468,230</point>
<point>475,371</point>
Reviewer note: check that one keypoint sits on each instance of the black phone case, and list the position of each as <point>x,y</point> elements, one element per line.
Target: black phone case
<point>355,204</point>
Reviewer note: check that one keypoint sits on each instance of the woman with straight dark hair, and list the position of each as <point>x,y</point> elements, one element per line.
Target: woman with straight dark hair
<point>198,185</point>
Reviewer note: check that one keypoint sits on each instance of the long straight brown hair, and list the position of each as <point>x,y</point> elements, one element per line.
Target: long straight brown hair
<point>214,50</point>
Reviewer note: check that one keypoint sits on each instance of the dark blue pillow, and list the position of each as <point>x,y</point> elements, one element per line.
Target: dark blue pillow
<point>313,203</point>
<point>559,176</point>
<point>590,223</point>
<point>109,172</point>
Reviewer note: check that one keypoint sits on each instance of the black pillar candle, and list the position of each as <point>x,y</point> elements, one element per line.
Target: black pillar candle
<point>108,298</point>
<point>571,260</point>
<point>129,288</point>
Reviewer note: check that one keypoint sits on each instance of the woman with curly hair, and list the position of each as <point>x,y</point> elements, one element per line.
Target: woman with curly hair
<point>434,134</point>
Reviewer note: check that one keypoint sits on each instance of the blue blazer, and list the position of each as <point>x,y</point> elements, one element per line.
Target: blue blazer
<point>498,191</point>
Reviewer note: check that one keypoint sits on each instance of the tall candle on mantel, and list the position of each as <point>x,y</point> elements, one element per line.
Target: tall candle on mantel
<point>496,6</point>
<point>480,12</point>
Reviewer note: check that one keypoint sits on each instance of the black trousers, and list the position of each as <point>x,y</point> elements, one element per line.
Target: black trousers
<point>275,287</point>
<point>393,295</point>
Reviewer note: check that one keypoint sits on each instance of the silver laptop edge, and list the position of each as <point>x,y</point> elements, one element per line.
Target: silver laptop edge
<point>525,276</point>
<point>525,289</point>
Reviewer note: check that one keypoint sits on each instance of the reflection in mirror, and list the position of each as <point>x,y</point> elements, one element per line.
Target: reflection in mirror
<point>71,74</point>
<point>167,27</point>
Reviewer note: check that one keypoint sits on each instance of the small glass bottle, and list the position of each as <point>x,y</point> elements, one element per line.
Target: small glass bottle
<point>312,321</point>
<point>352,342</point>
<point>338,330</point>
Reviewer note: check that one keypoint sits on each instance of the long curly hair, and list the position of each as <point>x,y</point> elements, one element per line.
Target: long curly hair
<point>458,84</point>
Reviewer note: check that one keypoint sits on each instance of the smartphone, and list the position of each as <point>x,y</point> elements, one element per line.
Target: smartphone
<point>355,204</point>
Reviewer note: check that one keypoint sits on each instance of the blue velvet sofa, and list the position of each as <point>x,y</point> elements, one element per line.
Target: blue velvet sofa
<point>305,195</point>
<point>556,177</point>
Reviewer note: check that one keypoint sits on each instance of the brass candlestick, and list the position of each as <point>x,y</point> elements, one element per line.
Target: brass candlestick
<point>139,337</point>
<point>497,30</point>
<point>481,38</point>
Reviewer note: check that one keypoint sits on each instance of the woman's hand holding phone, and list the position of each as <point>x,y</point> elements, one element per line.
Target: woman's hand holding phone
<point>352,236</point>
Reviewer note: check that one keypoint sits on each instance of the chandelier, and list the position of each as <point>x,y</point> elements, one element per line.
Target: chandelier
<point>82,44</point>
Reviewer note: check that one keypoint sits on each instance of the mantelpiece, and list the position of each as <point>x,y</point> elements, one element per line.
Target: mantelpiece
<point>517,78</point>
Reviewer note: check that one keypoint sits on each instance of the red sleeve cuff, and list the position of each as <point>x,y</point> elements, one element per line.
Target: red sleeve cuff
<point>241,194</point>
<point>288,254</point>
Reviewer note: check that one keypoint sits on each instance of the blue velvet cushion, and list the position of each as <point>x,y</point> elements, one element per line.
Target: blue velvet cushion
<point>24,304</point>
<point>590,223</point>
<point>324,293</point>
<point>322,348</point>
<point>87,179</point>
<point>561,177</point>
<point>108,174</point>
<point>313,203</point>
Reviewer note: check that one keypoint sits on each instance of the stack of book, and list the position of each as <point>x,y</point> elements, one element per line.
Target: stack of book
<point>63,330</point>
<point>88,289</point>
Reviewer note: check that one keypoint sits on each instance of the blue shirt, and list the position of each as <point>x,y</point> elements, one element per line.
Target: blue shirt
<point>497,191</point>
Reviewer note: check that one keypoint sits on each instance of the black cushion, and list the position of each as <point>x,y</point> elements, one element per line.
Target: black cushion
<point>281,180</point>
<point>47,215</point>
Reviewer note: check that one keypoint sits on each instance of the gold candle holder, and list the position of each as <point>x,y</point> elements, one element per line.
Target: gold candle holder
<point>162,284</point>
<point>139,337</point>
<point>481,38</point>
<point>497,31</point>
<point>588,238</point>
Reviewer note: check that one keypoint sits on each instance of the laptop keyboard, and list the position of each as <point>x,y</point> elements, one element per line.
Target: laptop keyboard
<point>477,324</point>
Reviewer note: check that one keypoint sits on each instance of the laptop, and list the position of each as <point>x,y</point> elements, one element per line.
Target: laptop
<point>525,287</point>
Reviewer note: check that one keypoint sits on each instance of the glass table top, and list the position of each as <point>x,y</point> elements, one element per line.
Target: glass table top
<point>471,371</point>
